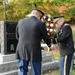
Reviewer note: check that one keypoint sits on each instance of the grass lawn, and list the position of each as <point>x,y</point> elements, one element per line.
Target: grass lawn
<point>73,31</point>
<point>73,34</point>
<point>56,56</point>
<point>56,72</point>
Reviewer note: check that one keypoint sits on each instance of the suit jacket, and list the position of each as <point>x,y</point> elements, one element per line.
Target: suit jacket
<point>29,33</point>
<point>65,39</point>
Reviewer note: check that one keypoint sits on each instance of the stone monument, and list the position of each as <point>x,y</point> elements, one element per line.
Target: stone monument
<point>8,39</point>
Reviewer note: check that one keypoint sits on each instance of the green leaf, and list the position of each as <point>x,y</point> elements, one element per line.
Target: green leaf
<point>45,1</point>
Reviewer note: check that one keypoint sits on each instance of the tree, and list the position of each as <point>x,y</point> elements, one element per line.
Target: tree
<point>1,10</point>
<point>18,9</point>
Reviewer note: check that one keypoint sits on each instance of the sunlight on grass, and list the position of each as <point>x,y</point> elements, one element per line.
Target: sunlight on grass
<point>73,31</point>
<point>73,35</point>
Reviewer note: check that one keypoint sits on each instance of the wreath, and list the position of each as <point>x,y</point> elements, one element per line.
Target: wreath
<point>49,25</point>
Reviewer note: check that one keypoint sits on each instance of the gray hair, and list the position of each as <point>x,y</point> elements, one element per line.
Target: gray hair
<point>35,13</point>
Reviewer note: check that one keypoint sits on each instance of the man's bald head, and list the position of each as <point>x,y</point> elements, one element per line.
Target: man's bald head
<point>37,13</point>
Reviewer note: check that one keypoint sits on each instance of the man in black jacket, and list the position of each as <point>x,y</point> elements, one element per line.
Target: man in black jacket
<point>66,44</point>
<point>29,33</point>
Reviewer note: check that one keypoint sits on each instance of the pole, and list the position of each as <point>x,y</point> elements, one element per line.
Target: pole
<point>4,2</point>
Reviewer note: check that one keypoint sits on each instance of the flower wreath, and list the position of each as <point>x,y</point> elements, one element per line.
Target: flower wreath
<point>49,25</point>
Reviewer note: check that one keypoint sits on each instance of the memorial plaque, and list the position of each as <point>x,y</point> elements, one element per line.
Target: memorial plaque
<point>10,35</point>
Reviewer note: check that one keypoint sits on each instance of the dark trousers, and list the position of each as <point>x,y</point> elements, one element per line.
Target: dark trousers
<point>23,67</point>
<point>65,64</point>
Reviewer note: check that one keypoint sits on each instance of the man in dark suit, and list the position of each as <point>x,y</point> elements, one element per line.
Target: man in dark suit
<point>66,44</point>
<point>29,33</point>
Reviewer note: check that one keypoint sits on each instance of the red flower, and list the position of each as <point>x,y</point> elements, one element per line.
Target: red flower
<point>50,20</point>
<point>49,33</point>
<point>46,17</point>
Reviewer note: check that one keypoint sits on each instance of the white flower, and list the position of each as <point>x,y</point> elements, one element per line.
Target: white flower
<point>51,30</point>
<point>47,29</point>
<point>51,24</point>
<point>49,19</point>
